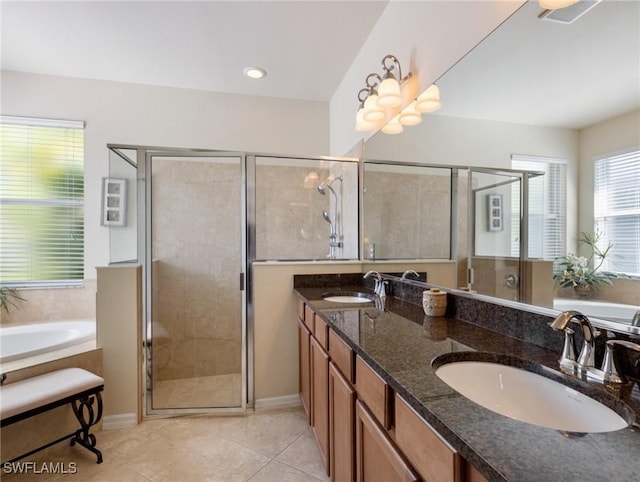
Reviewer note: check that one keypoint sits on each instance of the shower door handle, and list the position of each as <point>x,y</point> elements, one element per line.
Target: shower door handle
<point>241,281</point>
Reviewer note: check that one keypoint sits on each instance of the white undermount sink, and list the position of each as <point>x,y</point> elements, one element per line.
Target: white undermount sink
<point>529,397</point>
<point>347,298</point>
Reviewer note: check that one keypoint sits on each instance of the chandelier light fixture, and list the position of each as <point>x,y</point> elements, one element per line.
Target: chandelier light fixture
<point>380,102</point>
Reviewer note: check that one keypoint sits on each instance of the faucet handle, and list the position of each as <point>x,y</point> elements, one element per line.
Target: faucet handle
<point>609,367</point>
<point>569,349</point>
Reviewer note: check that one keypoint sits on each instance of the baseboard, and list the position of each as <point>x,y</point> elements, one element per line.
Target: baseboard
<point>274,403</point>
<point>123,420</point>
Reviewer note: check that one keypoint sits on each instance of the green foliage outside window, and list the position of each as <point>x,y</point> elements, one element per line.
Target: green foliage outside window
<point>41,205</point>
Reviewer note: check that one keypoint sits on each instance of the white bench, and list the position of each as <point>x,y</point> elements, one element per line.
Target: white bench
<point>29,397</point>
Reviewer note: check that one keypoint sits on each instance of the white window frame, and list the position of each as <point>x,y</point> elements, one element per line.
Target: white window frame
<point>626,194</point>
<point>31,282</point>
<point>558,215</point>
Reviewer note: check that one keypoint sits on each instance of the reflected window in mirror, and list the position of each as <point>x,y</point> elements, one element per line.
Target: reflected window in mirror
<point>547,206</point>
<point>617,209</point>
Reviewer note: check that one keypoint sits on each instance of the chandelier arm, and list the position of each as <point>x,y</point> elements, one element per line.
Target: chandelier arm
<point>395,63</point>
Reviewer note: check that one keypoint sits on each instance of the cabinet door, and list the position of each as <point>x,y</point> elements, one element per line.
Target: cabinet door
<point>377,458</point>
<point>342,398</point>
<point>304,364</point>
<point>432,456</point>
<point>320,399</point>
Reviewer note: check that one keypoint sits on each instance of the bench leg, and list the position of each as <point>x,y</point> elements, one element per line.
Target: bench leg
<point>84,412</point>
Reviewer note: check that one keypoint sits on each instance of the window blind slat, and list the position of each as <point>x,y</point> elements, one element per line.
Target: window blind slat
<point>547,206</point>
<point>41,202</point>
<point>617,209</point>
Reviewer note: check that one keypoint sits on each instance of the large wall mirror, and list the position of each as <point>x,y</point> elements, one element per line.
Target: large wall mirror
<point>538,89</point>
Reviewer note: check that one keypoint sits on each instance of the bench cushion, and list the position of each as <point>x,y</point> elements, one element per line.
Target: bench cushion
<point>41,390</point>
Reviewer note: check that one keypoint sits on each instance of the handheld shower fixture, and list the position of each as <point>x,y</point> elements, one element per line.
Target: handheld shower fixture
<point>333,231</point>
<point>325,216</point>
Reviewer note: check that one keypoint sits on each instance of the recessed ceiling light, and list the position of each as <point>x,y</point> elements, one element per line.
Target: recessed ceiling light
<point>254,72</point>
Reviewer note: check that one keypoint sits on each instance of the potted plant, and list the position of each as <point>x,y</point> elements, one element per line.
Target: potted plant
<point>8,296</point>
<point>582,273</point>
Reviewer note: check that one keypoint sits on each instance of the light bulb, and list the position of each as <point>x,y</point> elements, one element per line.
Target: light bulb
<point>361,124</point>
<point>389,93</point>
<point>254,72</point>
<point>410,116</point>
<point>372,113</point>
<point>429,100</point>
<point>393,126</point>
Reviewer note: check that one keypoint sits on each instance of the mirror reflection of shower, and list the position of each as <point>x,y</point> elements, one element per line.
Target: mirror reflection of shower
<point>334,224</point>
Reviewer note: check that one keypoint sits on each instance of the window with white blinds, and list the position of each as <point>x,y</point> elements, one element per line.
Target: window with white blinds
<point>41,202</point>
<point>617,209</point>
<point>547,206</point>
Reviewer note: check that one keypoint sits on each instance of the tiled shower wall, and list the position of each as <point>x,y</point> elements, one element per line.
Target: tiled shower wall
<point>395,218</point>
<point>54,304</point>
<point>196,251</point>
<point>289,223</point>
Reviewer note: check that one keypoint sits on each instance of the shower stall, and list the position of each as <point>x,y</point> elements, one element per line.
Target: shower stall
<point>185,222</point>
<point>197,220</point>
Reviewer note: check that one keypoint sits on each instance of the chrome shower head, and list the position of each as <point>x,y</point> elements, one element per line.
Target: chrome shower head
<point>322,188</point>
<point>325,216</point>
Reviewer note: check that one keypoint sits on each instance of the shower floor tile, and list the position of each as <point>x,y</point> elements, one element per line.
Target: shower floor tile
<point>274,446</point>
<point>197,392</point>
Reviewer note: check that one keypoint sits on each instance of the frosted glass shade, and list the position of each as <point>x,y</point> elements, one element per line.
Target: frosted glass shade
<point>556,4</point>
<point>393,126</point>
<point>389,93</point>
<point>429,100</point>
<point>361,124</point>
<point>410,116</point>
<point>372,113</point>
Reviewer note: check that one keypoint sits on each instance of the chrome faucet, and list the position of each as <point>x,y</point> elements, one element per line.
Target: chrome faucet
<point>586,360</point>
<point>635,321</point>
<point>609,367</point>
<point>410,272</point>
<point>379,286</point>
<point>584,365</point>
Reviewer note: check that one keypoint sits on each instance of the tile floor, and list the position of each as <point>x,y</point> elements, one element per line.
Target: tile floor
<point>275,446</point>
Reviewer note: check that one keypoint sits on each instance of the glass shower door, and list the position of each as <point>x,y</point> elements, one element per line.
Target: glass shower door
<point>494,262</point>
<point>195,284</point>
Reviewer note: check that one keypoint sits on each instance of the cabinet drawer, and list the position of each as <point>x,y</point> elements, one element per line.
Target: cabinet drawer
<point>309,318</point>
<point>301,310</point>
<point>322,332</point>
<point>429,454</point>
<point>342,355</point>
<point>373,391</point>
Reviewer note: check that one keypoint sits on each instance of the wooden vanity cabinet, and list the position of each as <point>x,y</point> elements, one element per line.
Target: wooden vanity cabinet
<point>320,398</point>
<point>374,392</point>
<point>430,455</point>
<point>364,431</point>
<point>342,398</point>
<point>304,364</point>
<point>377,458</point>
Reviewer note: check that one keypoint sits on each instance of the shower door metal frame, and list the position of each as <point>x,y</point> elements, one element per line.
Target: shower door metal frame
<point>517,175</point>
<point>145,242</point>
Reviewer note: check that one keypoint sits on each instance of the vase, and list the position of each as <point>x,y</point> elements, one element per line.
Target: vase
<point>583,291</point>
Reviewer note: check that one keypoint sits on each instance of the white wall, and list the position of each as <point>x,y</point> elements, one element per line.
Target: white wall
<point>123,113</point>
<point>428,37</point>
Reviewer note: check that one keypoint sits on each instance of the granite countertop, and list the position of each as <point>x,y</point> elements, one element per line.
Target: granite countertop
<point>400,342</point>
